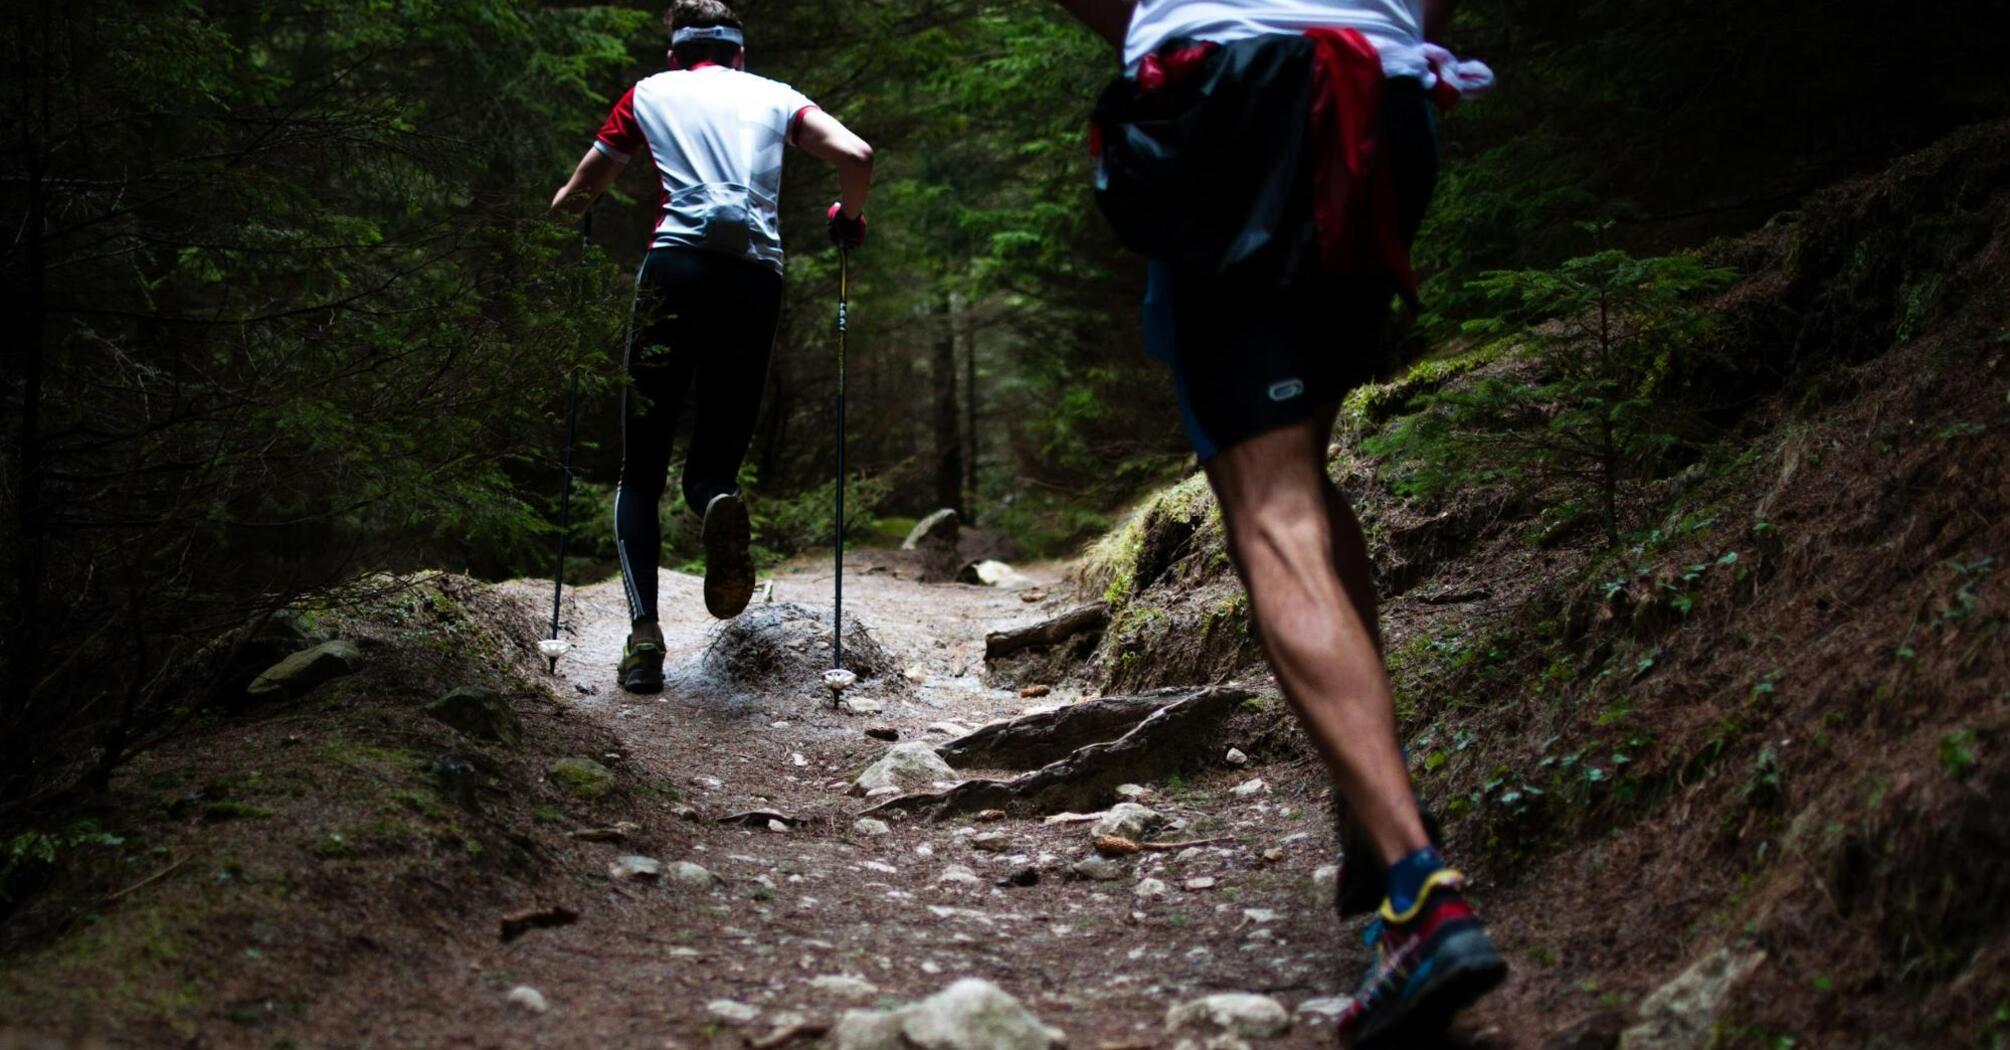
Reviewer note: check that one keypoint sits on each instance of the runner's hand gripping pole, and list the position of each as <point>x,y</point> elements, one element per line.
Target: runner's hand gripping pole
<point>837,679</point>
<point>553,647</point>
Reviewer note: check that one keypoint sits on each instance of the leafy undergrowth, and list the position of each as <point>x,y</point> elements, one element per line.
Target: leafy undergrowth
<point>258,859</point>
<point>1772,716</point>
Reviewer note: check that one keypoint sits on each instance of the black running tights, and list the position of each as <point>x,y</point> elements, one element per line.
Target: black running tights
<point>702,323</point>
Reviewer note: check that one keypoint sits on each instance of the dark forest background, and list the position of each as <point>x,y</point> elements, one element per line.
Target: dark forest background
<point>281,307</point>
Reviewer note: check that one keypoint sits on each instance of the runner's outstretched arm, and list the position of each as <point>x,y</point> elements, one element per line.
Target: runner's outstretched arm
<point>1106,18</point>
<point>825,139</point>
<point>595,173</point>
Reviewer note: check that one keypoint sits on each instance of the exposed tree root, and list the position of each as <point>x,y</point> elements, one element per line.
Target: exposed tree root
<point>1035,740</point>
<point>1171,738</point>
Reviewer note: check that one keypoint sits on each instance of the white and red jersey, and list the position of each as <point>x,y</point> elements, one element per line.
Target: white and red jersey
<point>716,136</point>
<point>1395,28</point>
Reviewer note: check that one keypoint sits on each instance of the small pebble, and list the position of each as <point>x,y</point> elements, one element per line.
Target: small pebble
<point>1098,869</point>
<point>633,866</point>
<point>732,1012</point>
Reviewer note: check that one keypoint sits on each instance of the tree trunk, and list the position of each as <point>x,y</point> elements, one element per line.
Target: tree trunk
<point>959,320</point>
<point>24,647</point>
<point>1610,487</point>
<point>948,442</point>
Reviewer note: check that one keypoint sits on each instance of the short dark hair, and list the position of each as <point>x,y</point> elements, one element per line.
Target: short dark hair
<point>697,13</point>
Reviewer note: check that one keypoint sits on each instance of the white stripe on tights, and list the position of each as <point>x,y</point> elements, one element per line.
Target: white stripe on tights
<point>627,571</point>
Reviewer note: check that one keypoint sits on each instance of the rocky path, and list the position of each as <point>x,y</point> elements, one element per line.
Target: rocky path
<point>804,911</point>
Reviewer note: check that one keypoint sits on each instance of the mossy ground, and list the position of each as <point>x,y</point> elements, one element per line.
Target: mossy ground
<point>225,867</point>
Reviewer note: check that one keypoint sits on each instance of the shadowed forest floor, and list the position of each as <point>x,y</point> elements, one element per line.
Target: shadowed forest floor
<point>1733,783</point>
<point>418,961</point>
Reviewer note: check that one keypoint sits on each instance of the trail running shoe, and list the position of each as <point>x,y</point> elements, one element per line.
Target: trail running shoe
<point>1430,963</point>
<point>729,559</point>
<point>1364,879</point>
<point>642,660</point>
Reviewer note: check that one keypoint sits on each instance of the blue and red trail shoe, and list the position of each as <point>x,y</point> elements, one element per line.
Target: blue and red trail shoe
<point>1364,879</point>
<point>1430,962</point>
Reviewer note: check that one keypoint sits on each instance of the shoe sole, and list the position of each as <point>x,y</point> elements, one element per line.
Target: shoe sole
<point>729,562</point>
<point>641,680</point>
<point>1473,969</point>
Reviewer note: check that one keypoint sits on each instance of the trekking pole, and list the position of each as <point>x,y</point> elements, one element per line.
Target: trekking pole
<point>554,646</point>
<point>837,679</point>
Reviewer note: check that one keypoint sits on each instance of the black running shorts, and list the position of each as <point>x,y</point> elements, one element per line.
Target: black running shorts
<point>1251,351</point>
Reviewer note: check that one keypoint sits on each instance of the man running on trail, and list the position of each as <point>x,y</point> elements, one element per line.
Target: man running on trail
<point>709,293</point>
<point>1272,159</point>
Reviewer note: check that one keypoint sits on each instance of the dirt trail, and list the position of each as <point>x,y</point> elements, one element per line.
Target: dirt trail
<point>647,963</point>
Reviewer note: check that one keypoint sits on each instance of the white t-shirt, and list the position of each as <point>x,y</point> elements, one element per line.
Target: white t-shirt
<point>1394,27</point>
<point>716,135</point>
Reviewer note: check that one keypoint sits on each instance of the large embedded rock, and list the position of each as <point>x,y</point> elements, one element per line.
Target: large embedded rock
<point>991,572</point>
<point>938,529</point>
<point>689,875</point>
<point>1236,1013</point>
<point>1682,1014</point>
<point>1127,820</point>
<point>905,766</point>
<point>479,712</point>
<point>582,777</point>
<point>297,675</point>
<point>971,1014</point>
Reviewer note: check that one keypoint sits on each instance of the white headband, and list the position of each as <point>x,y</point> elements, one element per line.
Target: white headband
<point>726,34</point>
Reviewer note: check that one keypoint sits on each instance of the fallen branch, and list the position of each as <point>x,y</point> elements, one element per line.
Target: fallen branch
<point>516,924</point>
<point>1119,846</point>
<point>1168,847</point>
<point>999,644</point>
<point>1170,739</point>
<point>149,880</point>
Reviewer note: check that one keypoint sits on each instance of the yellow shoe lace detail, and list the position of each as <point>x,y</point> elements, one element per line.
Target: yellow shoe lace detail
<point>1446,877</point>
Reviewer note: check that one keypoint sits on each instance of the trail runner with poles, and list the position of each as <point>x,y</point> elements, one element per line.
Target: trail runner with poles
<point>709,293</point>
<point>1272,159</point>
